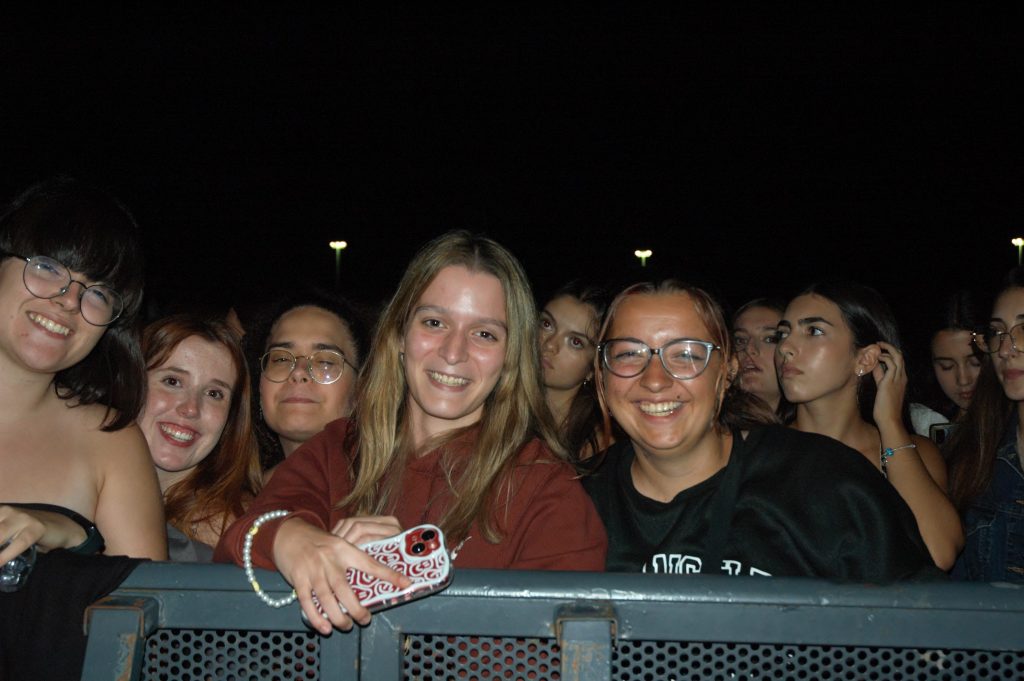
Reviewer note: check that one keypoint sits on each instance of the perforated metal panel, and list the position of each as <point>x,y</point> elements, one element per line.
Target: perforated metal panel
<point>667,661</point>
<point>475,657</point>
<point>201,655</point>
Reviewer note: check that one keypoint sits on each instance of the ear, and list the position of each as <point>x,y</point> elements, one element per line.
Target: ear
<point>867,359</point>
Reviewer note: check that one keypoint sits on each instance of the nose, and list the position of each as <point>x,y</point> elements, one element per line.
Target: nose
<point>300,372</point>
<point>70,298</point>
<point>655,376</point>
<point>548,346</point>
<point>962,378</point>
<point>454,348</point>
<point>189,406</point>
<point>1006,348</point>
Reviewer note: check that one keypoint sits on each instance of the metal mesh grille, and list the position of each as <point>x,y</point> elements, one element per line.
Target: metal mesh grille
<point>665,661</point>
<point>200,655</point>
<point>477,657</point>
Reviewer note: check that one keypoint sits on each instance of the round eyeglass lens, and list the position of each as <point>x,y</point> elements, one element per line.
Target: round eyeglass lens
<point>47,278</point>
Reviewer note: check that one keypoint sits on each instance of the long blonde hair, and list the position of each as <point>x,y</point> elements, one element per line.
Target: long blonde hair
<point>513,413</point>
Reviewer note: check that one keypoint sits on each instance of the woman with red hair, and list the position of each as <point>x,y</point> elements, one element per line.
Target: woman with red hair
<point>198,426</point>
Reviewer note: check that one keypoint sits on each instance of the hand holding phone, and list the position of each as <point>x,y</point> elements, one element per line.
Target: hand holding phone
<point>419,553</point>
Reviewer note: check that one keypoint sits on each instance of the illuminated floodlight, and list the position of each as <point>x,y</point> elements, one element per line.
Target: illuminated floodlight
<point>643,255</point>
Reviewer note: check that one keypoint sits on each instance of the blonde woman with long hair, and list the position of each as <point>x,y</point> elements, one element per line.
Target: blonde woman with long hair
<point>451,428</point>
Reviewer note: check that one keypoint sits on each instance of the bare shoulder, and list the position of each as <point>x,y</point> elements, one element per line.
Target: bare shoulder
<point>108,448</point>
<point>932,459</point>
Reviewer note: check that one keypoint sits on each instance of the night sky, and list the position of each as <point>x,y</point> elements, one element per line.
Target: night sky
<point>753,153</point>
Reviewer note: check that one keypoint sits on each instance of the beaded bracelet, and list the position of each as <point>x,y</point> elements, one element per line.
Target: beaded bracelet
<point>247,561</point>
<point>889,451</point>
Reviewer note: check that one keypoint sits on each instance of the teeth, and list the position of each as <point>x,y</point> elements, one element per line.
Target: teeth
<point>49,324</point>
<point>445,379</point>
<point>177,433</point>
<point>659,408</point>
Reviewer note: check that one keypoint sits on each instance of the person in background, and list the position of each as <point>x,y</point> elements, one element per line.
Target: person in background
<point>450,428</point>
<point>753,332</point>
<point>197,423</point>
<point>306,350</point>
<point>986,476</point>
<point>707,482</point>
<point>839,362</point>
<point>569,323</point>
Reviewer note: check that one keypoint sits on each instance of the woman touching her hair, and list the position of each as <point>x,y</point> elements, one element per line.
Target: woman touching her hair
<point>450,428</point>
<point>75,472</point>
<point>839,362</point>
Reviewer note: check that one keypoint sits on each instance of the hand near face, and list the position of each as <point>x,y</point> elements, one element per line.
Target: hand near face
<point>890,374</point>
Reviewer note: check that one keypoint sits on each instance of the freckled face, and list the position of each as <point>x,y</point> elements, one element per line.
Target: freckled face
<point>1007,313</point>
<point>662,415</point>
<point>567,329</point>
<point>454,350</point>
<point>815,356</point>
<point>187,404</point>
<point>755,329</point>
<point>956,365</point>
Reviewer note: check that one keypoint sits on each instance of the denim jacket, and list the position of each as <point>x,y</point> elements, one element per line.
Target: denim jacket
<point>994,524</point>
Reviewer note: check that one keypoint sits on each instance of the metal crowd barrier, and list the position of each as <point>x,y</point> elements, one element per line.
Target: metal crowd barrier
<point>176,622</point>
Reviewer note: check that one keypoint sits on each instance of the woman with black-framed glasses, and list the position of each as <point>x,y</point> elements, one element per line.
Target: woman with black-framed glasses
<point>986,475</point>
<point>305,351</point>
<point>707,482</point>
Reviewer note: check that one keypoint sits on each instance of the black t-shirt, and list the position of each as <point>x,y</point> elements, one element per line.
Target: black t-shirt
<point>787,504</point>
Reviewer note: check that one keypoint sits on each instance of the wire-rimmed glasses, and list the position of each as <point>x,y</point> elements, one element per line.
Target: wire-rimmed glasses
<point>324,366</point>
<point>47,278</point>
<point>991,339</point>
<point>683,358</point>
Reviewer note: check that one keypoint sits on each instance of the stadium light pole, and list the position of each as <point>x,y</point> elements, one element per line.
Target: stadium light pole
<point>1019,243</point>
<point>338,247</point>
<point>643,255</point>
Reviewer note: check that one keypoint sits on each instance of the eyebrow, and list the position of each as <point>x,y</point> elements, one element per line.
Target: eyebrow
<point>186,372</point>
<point>288,345</point>
<point>444,310</point>
<point>1018,318</point>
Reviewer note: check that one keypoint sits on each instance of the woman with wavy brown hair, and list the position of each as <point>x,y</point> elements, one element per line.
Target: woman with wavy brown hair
<point>450,428</point>
<point>197,423</point>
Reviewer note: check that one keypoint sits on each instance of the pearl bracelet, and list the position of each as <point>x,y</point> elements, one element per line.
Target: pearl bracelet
<point>247,561</point>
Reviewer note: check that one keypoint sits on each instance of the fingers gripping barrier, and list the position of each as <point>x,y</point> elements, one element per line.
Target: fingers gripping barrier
<point>175,622</point>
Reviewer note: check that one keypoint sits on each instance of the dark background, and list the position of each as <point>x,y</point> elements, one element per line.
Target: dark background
<point>753,152</point>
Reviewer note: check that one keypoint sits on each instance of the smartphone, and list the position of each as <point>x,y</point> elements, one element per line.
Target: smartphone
<point>419,553</point>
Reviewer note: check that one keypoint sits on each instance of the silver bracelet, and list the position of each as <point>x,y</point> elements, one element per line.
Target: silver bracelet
<point>889,451</point>
<point>247,561</point>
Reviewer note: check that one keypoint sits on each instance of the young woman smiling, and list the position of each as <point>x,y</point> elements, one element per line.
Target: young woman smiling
<point>196,421</point>
<point>569,323</point>
<point>74,472</point>
<point>450,428</point>
<point>839,362</point>
<point>705,483</point>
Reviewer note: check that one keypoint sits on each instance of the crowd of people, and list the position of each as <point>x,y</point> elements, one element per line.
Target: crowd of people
<point>628,431</point>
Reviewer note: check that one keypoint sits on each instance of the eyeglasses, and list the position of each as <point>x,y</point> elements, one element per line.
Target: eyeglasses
<point>682,358</point>
<point>991,340</point>
<point>46,278</point>
<point>324,366</point>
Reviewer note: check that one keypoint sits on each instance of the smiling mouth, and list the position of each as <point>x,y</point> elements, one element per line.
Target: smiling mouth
<point>446,379</point>
<point>49,324</point>
<point>182,435</point>
<point>659,408</point>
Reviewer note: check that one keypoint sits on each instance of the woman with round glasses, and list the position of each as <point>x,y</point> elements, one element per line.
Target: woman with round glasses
<point>753,332</point>
<point>75,471</point>
<point>839,362</point>
<point>986,476</point>
<point>198,427</point>
<point>705,483</point>
<point>450,429</point>
<point>310,346</point>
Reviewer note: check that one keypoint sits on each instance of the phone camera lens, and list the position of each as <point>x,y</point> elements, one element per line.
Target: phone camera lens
<point>428,535</point>
<point>419,547</point>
